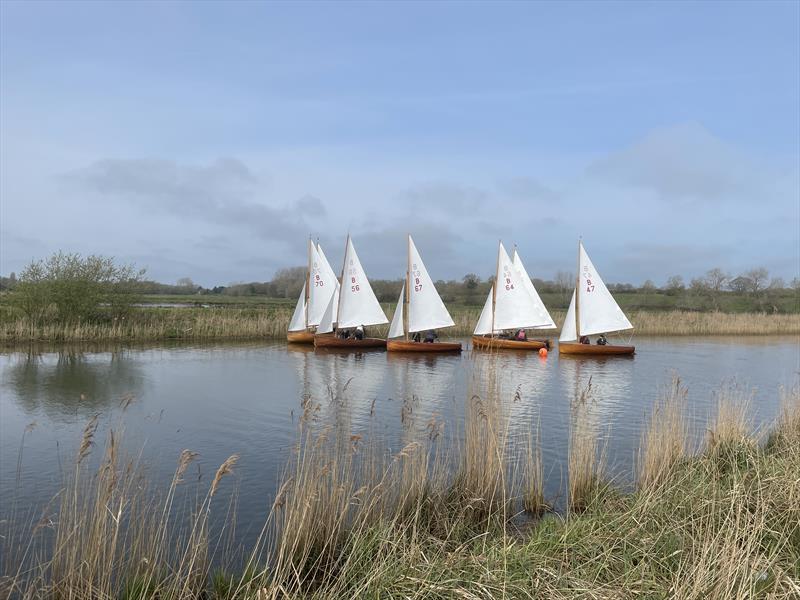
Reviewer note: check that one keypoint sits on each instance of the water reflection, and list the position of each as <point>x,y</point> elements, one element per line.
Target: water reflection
<point>71,382</point>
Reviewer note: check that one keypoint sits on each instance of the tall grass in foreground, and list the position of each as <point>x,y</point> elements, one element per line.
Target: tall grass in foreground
<point>231,323</point>
<point>353,519</point>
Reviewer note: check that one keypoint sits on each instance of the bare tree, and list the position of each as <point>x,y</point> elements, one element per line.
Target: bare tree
<point>675,284</point>
<point>716,279</point>
<point>795,283</point>
<point>777,283</point>
<point>185,282</point>
<point>565,282</point>
<point>758,279</point>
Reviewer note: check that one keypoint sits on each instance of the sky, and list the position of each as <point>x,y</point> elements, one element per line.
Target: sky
<point>209,140</point>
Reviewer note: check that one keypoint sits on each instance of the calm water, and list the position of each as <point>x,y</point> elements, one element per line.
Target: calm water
<point>224,399</point>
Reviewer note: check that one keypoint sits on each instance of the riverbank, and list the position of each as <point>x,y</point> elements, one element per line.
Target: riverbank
<point>231,323</point>
<point>713,518</point>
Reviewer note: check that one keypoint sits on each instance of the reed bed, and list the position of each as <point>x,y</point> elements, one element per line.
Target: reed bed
<point>352,518</point>
<point>146,324</point>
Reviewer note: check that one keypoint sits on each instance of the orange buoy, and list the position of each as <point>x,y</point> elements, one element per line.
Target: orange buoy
<point>543,352</point>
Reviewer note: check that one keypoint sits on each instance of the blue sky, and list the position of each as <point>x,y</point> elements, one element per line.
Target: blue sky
<point>207,140</point>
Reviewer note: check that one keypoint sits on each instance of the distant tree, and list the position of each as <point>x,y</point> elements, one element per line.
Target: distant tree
<point>565,283</point>
<point>716,279</point>
<point>674,285</point>
<point>777,283</point>
<point>76,286</point>
<point>758,279</point>
<point>740,284</point>
<point>699,285</point>
<point>471,281</point>
<point>648,287</point>
<point>287,283</point>
<point>186,282</point>
<point>795,285</point>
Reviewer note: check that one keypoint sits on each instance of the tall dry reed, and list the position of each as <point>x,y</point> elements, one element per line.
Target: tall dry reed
<point>665,441</point>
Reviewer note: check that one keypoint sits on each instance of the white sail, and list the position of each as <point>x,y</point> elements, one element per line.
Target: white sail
<point>322,285</point>
<point>514,307</point>
<point>298,322</point>
<point>425,307</point>
<point>327,272</point>
<point>327,322</point>
<point>537,301</point>
<point>396,328</point>
<point>599,312</point>
<point>568,333</point>
<point>484,325</point>
<point>357,302</point>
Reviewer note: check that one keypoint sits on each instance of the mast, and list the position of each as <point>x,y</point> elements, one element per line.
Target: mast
<point>341,279</point>
<point>494,287</point>
<point>578,295</point>
<point>407,300</point>
<point>308,279</point>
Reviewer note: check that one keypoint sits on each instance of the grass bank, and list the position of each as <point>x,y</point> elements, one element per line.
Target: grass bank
<point>271,321</point>
<point>353,520</point>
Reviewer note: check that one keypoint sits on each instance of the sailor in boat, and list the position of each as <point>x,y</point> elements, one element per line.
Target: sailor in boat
<point>430,336</point>
<point>602,341</point>
<point>359,333</point>
<point>521,336</point>
<point>417,337</point>
<point>585,339</point>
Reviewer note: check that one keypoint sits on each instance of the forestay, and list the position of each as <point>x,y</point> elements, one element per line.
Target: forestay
<point>425,307</point>
<point>514,307</point>
<point>396,328</point>
<point>537,301</point>
<point>357,302</point>
<point>322,285</point>
<point>599,312</point>
<point>298,322</point>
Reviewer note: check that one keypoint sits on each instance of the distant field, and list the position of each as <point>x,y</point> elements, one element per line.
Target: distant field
<point>787,301</point>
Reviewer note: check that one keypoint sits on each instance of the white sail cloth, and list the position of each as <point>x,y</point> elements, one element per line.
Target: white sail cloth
<point>599,312</point>
<point>514,306</point>
<point>322,285</point>
<point>327,322</point>
<point>396,328</point>
<point>425,307</point>
<point>537,301</point>
<point>357,302</point>
<point>298,322</point>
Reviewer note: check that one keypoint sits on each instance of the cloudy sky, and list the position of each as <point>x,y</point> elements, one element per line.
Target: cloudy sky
<point>208,140</point>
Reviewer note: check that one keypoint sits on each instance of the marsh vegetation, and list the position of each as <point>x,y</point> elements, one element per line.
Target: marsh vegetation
<point>713,517</point>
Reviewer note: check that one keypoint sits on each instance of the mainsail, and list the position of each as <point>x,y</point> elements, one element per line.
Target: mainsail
<point>327,271</point>
<point>514,306</point>
<point>322,285</point>
<point>298,322</point>
<point>357,302</point>
<point>327,322</point>
<point>528,284</point>
<point>425,307</point>
<point>594,305</point>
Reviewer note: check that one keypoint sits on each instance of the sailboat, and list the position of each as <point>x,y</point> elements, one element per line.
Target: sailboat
<point>514,304</point>
<point>419,308</point>
<point>354,306</point>
<point>319,288</point>
<point>592,311</point>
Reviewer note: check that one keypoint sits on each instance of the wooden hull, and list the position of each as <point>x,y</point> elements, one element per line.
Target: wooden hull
<point>594,349</point>
<point>300,337</point>
<point>327,340</point>
<point>494,343</point>
<point>409,346</point>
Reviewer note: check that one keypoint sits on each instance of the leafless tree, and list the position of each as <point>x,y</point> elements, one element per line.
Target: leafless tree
<point>758,279</point>
<point>716,279</point>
